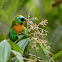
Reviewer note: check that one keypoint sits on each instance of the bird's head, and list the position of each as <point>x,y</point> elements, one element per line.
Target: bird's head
<point>19,19</point>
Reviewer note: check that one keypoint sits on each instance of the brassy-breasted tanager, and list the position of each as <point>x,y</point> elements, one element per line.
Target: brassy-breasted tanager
<point>17,27</point>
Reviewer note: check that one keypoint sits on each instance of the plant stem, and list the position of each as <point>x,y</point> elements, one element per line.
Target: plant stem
<point>56,55</point>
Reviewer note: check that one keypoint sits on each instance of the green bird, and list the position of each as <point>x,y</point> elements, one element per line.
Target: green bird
<point>17,28</point>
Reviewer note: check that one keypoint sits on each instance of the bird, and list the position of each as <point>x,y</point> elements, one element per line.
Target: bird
<point>17,27</point>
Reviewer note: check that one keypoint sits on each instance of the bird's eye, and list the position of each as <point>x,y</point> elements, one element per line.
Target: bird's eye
<point>19,18</point>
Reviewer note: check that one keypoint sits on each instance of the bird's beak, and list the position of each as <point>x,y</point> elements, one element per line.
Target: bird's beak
<point>23,19</point>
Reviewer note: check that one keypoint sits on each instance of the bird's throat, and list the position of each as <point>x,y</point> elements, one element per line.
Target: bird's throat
<point>18,29</point>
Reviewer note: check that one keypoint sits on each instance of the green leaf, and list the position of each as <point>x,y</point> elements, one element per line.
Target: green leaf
<point>18,56</point>
<point>56,55</point>
<point>20,36</point>
<point>43,53</point>
<point>22,44</point>
<point>5,50</point>
<point>15,47</point>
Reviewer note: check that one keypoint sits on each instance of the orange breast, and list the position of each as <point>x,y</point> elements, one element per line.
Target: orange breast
<point>18,29</point>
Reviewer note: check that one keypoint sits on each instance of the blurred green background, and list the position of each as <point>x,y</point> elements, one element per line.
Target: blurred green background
<point>42,9</point>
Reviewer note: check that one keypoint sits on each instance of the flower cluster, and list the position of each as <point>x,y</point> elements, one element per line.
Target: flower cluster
<point>37,34</point>
<point>43,22</point>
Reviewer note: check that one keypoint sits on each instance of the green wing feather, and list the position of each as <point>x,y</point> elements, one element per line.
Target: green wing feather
<point>13,35</point>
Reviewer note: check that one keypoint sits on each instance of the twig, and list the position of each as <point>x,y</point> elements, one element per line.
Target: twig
<point>57,3</point>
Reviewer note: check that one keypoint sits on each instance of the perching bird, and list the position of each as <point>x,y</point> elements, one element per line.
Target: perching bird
<point>17,27</point>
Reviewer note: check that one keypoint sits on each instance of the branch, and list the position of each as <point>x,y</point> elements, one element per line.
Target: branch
<point>57,3</point>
